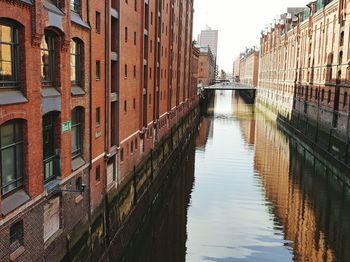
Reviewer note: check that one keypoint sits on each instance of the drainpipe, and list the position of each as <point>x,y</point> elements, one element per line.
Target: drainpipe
<point>106,133</point>
<point>90,123</point>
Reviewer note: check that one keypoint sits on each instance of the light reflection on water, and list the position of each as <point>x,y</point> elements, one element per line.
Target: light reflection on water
<point>229,217</point>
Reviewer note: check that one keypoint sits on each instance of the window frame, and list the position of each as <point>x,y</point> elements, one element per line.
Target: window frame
<point>16,235</point>
<point>98,22</point>
<point>78,56</point>
<point>15,55</point>
<point>18,145</point>
<point>51,49</point>
<point>78,125</point>
<point>98,70</point>
<point>98,117</point>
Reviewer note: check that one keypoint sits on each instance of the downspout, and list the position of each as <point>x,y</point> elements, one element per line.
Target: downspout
<point>90,102</point>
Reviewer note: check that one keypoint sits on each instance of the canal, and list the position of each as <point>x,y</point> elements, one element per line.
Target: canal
<point>247,192</point>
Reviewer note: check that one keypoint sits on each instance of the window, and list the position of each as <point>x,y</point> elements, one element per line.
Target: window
<point>98,70</point>
<point>98,117</point>
<point>126,34</point>
<point>98,173</point>
<point>125,70</point>
<point>134,71</point>
<point>135,5</point>
<point>77,131</point>
<point>51,159</point>
<point>76,62</point>
<point>16,236</point>
<point>125,106</point>
<point>48,53</point>
<point>134,103</point>
<point>122,154</point>
<point>75,6</point>
<point>98,22</point>
<point>134,38</point>
<point>345,99</point>
<point>11,156</point>
<point>9,55</point>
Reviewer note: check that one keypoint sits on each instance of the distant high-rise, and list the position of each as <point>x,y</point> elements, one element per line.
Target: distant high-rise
<point>209,37</point>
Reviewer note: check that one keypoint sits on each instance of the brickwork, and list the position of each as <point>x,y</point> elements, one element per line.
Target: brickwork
<point>304,61</point>
<point>249,68</point>
<point>134,58</point>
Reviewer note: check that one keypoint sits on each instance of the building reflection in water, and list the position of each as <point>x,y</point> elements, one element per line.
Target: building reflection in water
<point>308,201</point>
<point>163,237</point>
<point>308,206</point>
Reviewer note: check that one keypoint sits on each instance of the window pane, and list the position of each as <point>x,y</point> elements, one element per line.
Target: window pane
<point>18,132</point>
<point>7,135</point>
<point>74,139</point>
<point>19,164</point>
<point>5,53</point>
<point>73,76</point>
<point>44,44</point>
<point>73,47</point>
<point>45,69</point>
<point>5,34</point>
<point>5,71</point>
<point>8,169</point>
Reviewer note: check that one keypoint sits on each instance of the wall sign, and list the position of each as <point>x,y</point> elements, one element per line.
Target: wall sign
<point>66,126</point>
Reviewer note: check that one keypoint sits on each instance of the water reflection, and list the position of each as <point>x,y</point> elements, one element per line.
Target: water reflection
<point>257,196</point>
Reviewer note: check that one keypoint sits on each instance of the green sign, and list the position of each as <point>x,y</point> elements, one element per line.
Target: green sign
<point>66,126</point>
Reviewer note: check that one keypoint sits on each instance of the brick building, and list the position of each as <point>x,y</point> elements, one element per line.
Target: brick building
<point>249,68</point>
<point>304,63</point>
<point>194,71</point>
<point>206,67</point>
<point>87,89</point>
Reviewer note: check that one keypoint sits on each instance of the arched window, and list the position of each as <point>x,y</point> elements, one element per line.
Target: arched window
<point>9,55</point>
<point>48,57</point>
<point>11,156</point>
<point>76,62</point>
<point>77,131</point>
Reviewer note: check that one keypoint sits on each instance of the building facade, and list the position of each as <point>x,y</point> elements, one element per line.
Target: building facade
<point>249,68</point>
<point>206,67</point>
<point>87,90</point>
<point>209,38</point>
<point>304,63</point>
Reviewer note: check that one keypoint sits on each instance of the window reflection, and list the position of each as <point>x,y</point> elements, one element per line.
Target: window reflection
<point>8,54</point>
<point>48,59</point>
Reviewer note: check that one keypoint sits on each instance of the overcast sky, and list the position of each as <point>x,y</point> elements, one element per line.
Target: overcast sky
<point>239,23</point>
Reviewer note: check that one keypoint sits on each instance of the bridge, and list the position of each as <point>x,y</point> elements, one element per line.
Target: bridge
<point>248,92</point>
<point>229,86</point>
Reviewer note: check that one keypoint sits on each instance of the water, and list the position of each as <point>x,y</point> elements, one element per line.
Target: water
<point>248,193</point>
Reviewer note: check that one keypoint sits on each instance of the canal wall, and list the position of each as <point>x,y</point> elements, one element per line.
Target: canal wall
<point>124,210</point>
<point>327,147</point>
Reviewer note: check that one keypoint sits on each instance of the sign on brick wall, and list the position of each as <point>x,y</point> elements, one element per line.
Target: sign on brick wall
<point>66,126</point>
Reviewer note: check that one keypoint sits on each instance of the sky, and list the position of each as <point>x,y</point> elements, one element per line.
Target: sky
<point>239,22</point>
